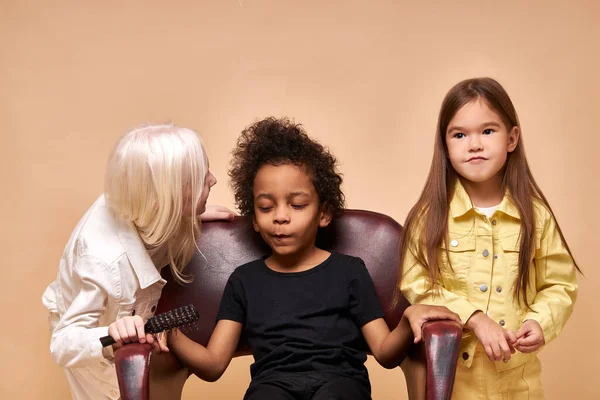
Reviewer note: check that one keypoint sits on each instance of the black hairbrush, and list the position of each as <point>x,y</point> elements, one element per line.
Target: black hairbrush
<point>176,318</point>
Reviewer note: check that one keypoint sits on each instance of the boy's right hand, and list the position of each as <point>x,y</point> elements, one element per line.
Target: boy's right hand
<point>129,329</point>
<point>418,314</point>
<point>497,343</point>
<point>160,343</point>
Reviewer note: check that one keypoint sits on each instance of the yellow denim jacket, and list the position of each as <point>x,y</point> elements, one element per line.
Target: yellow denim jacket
<point>484,257</point>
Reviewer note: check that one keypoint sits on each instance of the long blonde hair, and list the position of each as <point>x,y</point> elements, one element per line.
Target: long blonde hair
<point>146,176</point>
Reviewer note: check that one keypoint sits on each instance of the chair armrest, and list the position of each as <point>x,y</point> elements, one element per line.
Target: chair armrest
<point>442,342</point>
<point>132,363</point>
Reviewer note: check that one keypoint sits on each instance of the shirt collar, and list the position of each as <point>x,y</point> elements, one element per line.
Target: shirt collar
<point>461,203</point>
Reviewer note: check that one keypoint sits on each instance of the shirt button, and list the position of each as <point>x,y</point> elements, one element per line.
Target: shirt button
<point>494,222</point>
<point>113,393</point>
<point>502,322</point>
<point>465,356</point>
<point>454,243</point>
<point>485,253</point>
<point>495,256</point>
<point>483,287</point>
<point>499,289</point>
<point>103,364</point>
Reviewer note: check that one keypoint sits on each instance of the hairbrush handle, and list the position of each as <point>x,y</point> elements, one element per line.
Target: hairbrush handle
<point>175,318</point>
<point>107,341</point>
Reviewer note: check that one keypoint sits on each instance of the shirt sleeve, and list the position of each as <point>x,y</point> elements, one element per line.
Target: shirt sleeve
<point>233,302</point>
<point>364,303</point>
<point>556,283</point>
<point>75,338</point>
<point>415,286</point>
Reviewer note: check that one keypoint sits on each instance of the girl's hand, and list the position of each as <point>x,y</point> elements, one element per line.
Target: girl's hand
<point>129,330</point>
<point>217,213</point>
<point>530,337</point>
<point>418,314</point>
<point>495,340</point>
<point>511,338</point>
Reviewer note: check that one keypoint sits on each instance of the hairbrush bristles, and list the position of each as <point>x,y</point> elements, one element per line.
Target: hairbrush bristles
<point>179,317</point>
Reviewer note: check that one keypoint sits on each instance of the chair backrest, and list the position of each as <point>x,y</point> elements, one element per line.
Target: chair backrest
<point>226,245</point>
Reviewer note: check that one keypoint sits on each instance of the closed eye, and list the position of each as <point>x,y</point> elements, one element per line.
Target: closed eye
<point>298,206</point>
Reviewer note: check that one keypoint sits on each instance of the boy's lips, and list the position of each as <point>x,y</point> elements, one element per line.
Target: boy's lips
<point>281,240</point>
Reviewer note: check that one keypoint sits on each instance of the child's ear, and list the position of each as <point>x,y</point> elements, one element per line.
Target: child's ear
<point>325,216</point>
<point>513,138</point>
<point>254,225</point>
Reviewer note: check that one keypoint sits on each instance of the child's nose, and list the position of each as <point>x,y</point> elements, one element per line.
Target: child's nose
<point>281,215</point>
<point>212,179</point>
<point>475,143</point>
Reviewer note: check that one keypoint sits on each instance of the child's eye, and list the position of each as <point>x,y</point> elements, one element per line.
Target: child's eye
<point>264,209</point>
<point>488,131</point>
<point>459,135</point>
<point>298,206</point>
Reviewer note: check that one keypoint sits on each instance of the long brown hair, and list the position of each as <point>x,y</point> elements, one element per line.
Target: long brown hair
<point>431,210</point>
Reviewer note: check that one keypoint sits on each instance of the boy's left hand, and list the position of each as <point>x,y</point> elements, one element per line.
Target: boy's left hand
<point>530,337</point>
<point>217,213</point>
<point>418,314</point>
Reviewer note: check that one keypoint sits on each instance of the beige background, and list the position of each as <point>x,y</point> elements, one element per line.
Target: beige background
<point>366,78</point>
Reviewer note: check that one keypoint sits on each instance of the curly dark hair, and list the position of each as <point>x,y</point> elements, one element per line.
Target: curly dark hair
<point>280,141</point>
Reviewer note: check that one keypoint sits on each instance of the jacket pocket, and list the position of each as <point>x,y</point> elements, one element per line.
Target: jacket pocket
<point>126,310</point>
<point>456,260</point>
<point>510,252</point>
<point>460,252</point>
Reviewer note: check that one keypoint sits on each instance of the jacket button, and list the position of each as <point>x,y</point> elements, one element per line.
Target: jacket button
<point>494,222</point>
<point>485,253</point>
<point>502,322</point>
<point>499,289</point>
<point>465,356</point>
<point>483,287</point>
<point>454,243</point>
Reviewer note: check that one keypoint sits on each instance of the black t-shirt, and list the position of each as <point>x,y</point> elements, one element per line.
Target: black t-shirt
<point>304,321</point>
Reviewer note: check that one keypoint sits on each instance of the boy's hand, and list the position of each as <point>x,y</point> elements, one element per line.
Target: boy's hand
<point>129,330</point>
<point>530,337</point>
<point>495,340</point>
<point>418,314</point>
<point>217,213</point>
<point>160,343</point>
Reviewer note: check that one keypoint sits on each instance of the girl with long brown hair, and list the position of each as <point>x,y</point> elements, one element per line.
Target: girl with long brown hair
<point>483,241</point>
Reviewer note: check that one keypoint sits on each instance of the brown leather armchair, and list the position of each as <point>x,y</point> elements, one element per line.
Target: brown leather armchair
<point>429,368</point>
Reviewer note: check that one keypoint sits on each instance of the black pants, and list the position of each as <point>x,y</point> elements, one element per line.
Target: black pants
<point>309,386</point>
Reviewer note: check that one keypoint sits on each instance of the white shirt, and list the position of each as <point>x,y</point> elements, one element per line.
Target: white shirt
<point>488,211</point>
<point>105,273</point>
